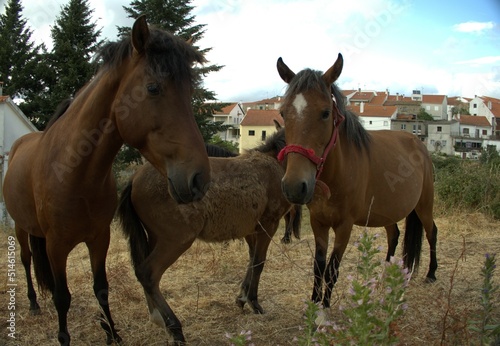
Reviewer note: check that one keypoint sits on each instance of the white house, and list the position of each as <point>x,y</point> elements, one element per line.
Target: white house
<point>13,124</point>
<point>231,115</point>
<point>436,105</point>
<point>375,117</point>
<point>439,136</point>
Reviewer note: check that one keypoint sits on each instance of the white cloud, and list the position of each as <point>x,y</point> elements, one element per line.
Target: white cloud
<point>475,27</point>
<point>485,60</point>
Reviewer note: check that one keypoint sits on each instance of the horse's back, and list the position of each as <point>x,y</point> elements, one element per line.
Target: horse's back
<point>18,186</point>
<point>400,173</point>
<point>241,192</point>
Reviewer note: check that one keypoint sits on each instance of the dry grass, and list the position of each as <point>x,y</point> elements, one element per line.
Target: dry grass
<point>202,286</point>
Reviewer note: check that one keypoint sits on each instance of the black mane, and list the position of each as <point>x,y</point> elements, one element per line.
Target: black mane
<point>308,79</point>
<point>60,110</point>
<point>216,151</point>
<point>168,55</point>
<point>273,143</point>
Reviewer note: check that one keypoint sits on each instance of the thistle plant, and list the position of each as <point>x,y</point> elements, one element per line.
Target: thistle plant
<point>242,339</point>
<point>487,326</point>
<point>375,302</point>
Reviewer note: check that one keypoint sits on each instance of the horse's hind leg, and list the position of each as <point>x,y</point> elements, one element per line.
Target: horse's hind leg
<point>392,240</point>
<point>287,237</point>
<point>431,235</point>
<point>22,238</point>
<point>258,244</point>
<point>149,274</point>
<point>98,249</point>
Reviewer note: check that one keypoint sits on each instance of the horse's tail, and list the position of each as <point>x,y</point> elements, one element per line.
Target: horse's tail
<point>412,246</point>
<point>132,227</point>
<point>297,221</point>
<point>41,264</point>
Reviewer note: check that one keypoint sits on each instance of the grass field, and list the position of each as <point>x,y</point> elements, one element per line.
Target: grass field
<point>203,284</point>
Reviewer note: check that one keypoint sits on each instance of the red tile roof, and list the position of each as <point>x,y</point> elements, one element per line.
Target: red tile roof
<point>434,99</point>
<point>374,111</point>
<point>4,98</point>
<point>227,109</point>
<point>261,117</point>
<point>495,105</point>
<point>362,96</point>
<point>474,120</point>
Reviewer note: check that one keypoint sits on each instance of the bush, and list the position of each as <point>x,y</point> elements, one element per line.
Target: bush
<point>468,184</point>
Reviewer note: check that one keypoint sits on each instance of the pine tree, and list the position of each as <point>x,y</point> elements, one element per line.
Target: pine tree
<point>76,39</point>
<point>19,56</point>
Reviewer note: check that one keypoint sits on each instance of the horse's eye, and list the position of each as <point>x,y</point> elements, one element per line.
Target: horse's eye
<point>325,115</point>
<point>153,88</point>
<point>281,113</point>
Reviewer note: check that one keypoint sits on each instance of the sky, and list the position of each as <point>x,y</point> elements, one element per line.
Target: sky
<point>438,47</point>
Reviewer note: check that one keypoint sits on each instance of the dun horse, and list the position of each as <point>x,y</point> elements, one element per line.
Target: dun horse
<point>374,178</point>
<point>60,189</point>
<point>244,200</point>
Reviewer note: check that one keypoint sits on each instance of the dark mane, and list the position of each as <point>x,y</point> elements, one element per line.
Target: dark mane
<point>168,56</point>
<point>216,151</point>
<point>308,79</point>
<point>351,126</point>
<point>60,110</point>
<point>273,143</point>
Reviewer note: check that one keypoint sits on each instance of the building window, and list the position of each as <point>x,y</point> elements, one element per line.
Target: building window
<point>263,135</point>
<point>474,105</point>
<point>436,108</point>
<point>251,132</point>
<point>428,108</point>
<point>485,132</point>
<point>403,126</point>
<point>386,123</point>
<point>370,122</point>
<point>443,143</point>
<point>439,129</point>
<point>465,131</point>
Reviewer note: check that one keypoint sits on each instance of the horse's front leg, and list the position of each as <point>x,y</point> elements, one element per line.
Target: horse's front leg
<point>98,250</point>
<point>320,232</point>
<point>22,238</point>
<point>342,236</point>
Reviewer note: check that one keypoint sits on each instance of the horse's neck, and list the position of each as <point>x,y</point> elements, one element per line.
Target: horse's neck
<point>87,135</point>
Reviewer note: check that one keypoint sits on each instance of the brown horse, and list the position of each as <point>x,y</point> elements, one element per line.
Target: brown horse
<point>60,189</point>
<point>244,200</point>
<point>369,178</point>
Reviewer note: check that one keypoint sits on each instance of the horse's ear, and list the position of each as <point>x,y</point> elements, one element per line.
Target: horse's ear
<point>190,41</point>
<point>285,73</point>
<point>277,124</point>
<point>140,34</point>
<point>333,72</point>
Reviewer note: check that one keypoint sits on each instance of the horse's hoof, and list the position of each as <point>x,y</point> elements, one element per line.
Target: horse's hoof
<point>430,280</point>
<point>35,312</point>
<point>257,309</point>
<point>286,240</point>
<point>240,302</point>
<point>117,339</point>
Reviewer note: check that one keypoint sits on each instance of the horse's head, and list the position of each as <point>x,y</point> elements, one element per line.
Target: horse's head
<point>153,111</point>
<point>311,119</point>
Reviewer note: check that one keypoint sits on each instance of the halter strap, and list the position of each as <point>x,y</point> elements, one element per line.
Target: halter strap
<point>311,155</point>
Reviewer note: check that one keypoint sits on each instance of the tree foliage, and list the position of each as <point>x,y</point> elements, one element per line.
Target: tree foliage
<point>21,59</point>
<point>76,39</point>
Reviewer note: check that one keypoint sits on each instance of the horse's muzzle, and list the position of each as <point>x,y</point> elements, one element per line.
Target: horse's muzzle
<point>298,191</point>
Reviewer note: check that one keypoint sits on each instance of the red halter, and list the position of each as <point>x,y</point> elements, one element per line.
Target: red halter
<point>311,155</point>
